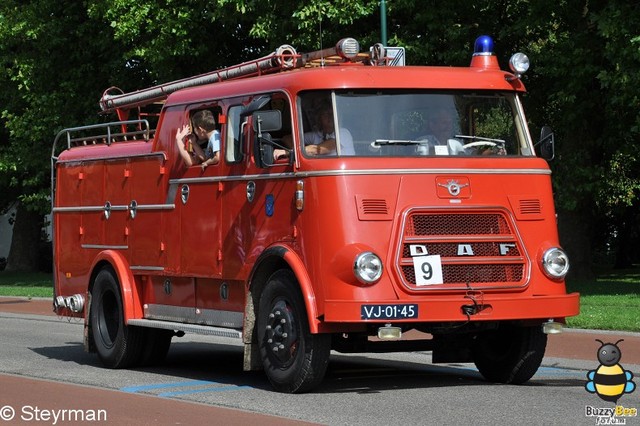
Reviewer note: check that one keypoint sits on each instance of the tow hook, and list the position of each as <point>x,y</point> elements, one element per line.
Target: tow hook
<point>476,297</point>
<point>474,309</point>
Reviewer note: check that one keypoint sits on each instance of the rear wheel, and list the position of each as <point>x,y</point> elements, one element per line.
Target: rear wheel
<point>117,345</point>
<point>509,354</point>
<point>294,359</point>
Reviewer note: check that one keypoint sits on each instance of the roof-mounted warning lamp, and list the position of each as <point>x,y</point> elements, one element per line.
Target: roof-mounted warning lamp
<point>483,46</point>
<point>483,54</point>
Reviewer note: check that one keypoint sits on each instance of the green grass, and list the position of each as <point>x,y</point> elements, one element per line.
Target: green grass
<point>26,284</point>
<point>611,302</point>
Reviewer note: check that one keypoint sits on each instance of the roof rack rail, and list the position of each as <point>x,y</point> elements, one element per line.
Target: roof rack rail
<point>284,58</point>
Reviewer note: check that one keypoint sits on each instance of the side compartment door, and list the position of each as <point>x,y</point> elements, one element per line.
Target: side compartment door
<point>147,210</point>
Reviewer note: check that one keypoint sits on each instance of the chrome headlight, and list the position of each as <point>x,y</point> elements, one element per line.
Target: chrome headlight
<point>555,263</point>
<point>367,267</point>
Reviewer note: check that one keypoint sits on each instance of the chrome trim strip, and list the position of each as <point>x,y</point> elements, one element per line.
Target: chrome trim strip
<point>146,268</point>
<point>113,208</point>
<point>364,172</point>
<point>78,209</point>
<point>103,247</point>
<point>425,172</point>
<point>156,206</point>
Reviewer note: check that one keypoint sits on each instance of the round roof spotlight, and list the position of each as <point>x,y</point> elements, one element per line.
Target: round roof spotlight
<point>519,63</point>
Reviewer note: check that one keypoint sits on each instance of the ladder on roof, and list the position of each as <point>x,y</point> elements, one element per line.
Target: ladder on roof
<point>284,58</point>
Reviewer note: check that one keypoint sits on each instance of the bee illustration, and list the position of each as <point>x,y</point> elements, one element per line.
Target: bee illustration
<point>609,380</point>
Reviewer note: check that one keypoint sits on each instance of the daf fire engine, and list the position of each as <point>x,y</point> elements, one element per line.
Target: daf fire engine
<point>422,207</point>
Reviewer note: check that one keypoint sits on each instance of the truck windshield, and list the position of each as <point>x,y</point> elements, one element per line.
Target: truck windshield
<point>409,124</point>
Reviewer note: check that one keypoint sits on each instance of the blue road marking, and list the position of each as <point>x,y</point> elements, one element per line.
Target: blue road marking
<point>134,389</point>
<point>558,371</point>
<point>215,389</point>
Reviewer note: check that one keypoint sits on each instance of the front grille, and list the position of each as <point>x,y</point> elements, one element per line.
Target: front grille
<point>456,224</point>
<point>477,249</point>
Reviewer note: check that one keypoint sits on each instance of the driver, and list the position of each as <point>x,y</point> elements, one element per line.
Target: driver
<point>322,140</point>
<point>441,126</point>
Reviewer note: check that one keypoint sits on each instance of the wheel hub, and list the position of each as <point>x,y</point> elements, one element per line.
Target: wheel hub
<point>281,335</point>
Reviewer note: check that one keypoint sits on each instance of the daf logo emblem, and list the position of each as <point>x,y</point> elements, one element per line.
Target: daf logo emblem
<point>453,187</point>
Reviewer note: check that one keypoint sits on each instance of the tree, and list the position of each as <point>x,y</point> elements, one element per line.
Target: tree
<point>59,56</point>
<point>53,60</point>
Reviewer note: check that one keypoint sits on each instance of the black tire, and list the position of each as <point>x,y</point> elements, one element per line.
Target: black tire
<point>294,359</point>
<point>117,345</point>
<point>509,354</point>
<point>156,346</point>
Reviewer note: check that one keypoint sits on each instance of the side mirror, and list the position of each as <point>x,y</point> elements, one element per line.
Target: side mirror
<point>264,122</point>
<point>267,121</point>
<point>545,147</point>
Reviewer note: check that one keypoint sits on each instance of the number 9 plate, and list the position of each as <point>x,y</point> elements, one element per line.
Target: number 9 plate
<point>383,312</point>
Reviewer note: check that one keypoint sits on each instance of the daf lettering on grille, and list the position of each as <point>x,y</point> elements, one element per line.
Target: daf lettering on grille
<point>463,249</point>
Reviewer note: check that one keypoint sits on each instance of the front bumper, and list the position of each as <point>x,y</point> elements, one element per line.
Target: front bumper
<point>451,309</point>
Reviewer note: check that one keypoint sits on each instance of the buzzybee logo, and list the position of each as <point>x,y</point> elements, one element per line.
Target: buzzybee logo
<point>610,381</point>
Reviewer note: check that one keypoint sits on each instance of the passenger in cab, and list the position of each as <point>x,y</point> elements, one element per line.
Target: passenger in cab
<point>322,139</point>
<point>204,128</point>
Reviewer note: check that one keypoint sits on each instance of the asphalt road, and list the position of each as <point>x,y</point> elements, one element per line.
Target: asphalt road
<point>44,373</point>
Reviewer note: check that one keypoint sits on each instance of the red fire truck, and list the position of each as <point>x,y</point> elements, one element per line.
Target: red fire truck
<point>353,202</point>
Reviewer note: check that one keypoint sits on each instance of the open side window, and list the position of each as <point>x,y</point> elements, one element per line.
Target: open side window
<point>233,135</point>
<point>270,118</point>
<point>204,138</point>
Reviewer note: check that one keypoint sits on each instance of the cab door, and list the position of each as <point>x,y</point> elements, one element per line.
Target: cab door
<point>258,198</point>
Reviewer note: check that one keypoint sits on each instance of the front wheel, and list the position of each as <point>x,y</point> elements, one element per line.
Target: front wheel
<point>294,359</point>
<point>509,354</point>
<point>118,345</point>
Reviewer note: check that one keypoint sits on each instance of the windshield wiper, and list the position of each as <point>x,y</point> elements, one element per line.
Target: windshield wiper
<point>380,142</point>
<point>480,138</point>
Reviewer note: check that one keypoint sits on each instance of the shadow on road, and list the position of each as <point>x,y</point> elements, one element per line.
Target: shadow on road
<point>221,364</point>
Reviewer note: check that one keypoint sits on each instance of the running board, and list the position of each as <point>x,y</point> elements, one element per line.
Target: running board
<point>187,328</point>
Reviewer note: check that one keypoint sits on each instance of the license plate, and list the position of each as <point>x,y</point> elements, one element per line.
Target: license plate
<point>375,312</point>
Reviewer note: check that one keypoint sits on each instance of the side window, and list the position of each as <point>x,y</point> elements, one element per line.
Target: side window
<point>233,147</point>
<point>199,139</point>
<point>272,142</point>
